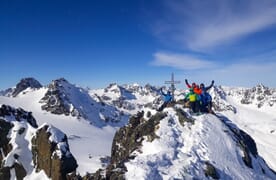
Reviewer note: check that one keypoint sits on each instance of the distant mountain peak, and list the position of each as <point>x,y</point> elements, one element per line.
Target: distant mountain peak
<point>62,97</point>
<point>21,86</point>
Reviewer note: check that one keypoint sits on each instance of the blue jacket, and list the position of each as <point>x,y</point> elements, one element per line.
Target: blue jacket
<point>205,98</point>
<point>167,97</point>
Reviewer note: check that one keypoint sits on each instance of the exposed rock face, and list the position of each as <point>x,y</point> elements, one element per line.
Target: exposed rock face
<point>127,140</point>
<point>9,157</point>
<point>24,84</point>
<point>56,99</point>
<point>259,95</point>
<point>129,98</point>
<point>219,100</point>
<point>7,92</point>
<point>65,98</point>
<point>248,146</point>
<point>51,153</point>
<point>18,115</point>
<point>50,147</point>
<point>243,140</point>
<point>5,147</point>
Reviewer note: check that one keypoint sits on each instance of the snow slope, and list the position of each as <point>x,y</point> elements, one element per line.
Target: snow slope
<point>87,143</point>
<point>20,136</point>
<point>63,97</point>
<point>128,98</point>
<point>260,123</point>
<point>181,152</point>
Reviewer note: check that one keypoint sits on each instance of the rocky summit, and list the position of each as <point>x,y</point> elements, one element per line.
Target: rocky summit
<point>175,145</point>
<point>24,84</point>
<point>119,132</point>
<point>49,147</point>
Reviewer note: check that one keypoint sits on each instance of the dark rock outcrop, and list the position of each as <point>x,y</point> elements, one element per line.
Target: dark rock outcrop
<point>18,115</point>
<point>127,140</point>
<point>7,116</point>
<point>5,127</point>
<point>52,155</point>
<point>56,99</point>
<point>65,98</point>
<point>7,92</point>
<point>219,100</point>
<point>50,149</point>
<point>245,142</point>
<point>210,171</point>
<point>260,95</point>
<point>24,84</point>
<point>183,117</point>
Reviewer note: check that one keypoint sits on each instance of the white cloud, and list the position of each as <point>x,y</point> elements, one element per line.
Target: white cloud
<point>243,72</point>
<point>240,74</point>
<point>180,61</point>
<point>201,26</point>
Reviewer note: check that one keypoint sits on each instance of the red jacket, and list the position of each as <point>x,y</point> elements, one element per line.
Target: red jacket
<point>195,87</point>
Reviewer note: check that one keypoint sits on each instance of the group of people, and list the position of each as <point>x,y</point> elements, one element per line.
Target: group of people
<point>198,99</point>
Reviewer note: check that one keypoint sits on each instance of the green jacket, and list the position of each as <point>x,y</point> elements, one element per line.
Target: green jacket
<point>192,97</point>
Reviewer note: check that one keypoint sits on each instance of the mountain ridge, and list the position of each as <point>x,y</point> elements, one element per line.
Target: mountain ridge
<point>127,101</point>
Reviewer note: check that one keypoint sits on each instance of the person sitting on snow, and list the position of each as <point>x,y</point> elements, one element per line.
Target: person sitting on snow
<point>167,97</point>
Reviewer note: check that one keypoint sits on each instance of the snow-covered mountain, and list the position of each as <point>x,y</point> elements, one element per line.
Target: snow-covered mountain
<point>65,98</point>
<point>31,151</point>
<point>259,95</point>
<point>168,146</point>
<point>257,116</point>
<point>24,84</point>
<point>129,98</point>
<point>175,145</point>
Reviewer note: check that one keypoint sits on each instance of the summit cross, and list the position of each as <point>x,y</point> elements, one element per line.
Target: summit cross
<point>172,82</point>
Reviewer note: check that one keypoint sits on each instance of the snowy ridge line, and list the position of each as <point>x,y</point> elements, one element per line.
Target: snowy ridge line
<point>65,98</point>
<point>189,151</point>
<point>243,138</point>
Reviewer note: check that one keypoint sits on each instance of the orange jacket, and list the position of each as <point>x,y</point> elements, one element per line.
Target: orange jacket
<point>197,90</point>
<point>195,87</point>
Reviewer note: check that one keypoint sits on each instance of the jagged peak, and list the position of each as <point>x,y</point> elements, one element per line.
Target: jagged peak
<point>59,82</point>
<point>12,114</point>
<point>161,147</point>
<point>25,83</point>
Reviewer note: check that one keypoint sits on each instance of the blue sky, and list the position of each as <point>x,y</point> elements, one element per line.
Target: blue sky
<point>94,43</point>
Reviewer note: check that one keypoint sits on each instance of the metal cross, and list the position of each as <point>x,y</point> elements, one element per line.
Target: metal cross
<point>172,82</point>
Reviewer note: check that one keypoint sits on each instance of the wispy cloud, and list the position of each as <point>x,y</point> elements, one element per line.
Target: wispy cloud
<point>180,61</point>
<point>200,25</point>
<point>243,72</point>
